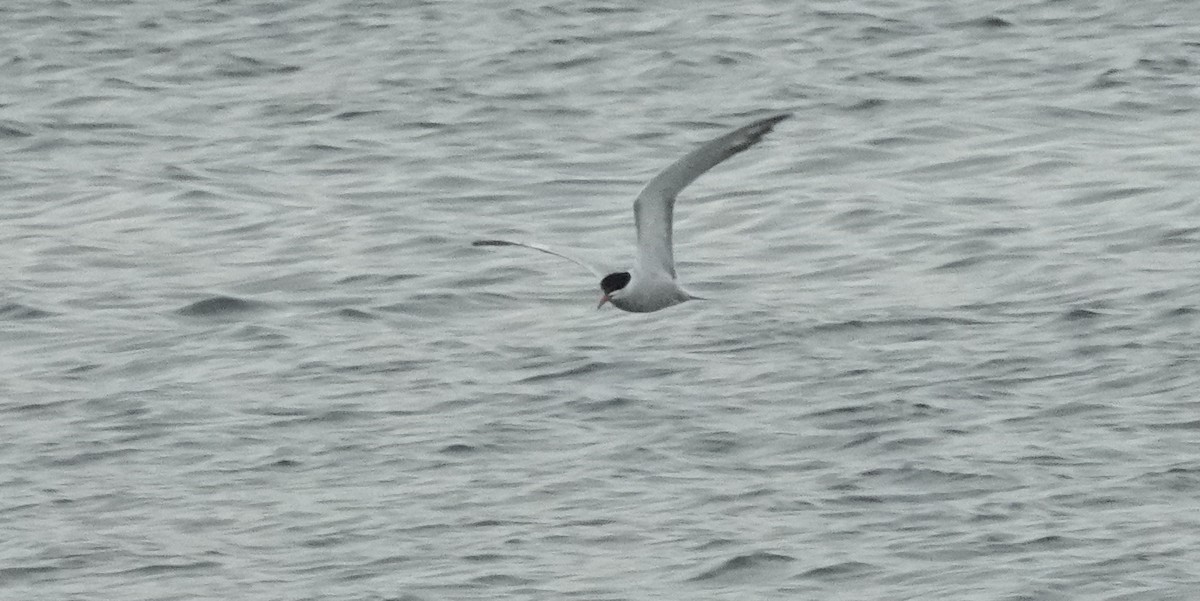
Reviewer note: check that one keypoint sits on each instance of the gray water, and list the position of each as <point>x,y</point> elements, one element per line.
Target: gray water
<point>247,351</point>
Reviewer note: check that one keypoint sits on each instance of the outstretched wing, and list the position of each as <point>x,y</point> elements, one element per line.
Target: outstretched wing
<point>543,248</point>
<point>654,207</point>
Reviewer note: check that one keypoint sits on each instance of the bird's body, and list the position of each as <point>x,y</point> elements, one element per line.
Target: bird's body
<point>645,294</point>
<point>652,284</point>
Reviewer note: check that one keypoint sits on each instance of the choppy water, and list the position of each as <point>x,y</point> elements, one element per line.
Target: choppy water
<point>246,351</point>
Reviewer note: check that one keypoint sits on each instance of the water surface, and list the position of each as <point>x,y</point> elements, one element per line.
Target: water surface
<point>248,351</point>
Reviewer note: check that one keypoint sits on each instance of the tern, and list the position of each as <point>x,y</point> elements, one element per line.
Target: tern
<point>651,284</point>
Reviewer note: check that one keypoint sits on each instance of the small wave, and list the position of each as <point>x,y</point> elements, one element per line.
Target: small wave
<point>992,22</point>
<point>457,448</point>
<point>218,306</point>
<point>839,571</point>
<point>556,374</point>
<point>743,564</point>
<point>244,67</point>
<point>167,568</point>
<point>501,580</point>
<point>961,264</point>
<point>1181,312</point>
<point>356,314</point>
<point>12,575</point>
<point>8,130</point>
<point>855,324</point>
<point>19,311</point>
<point>1080,314</point>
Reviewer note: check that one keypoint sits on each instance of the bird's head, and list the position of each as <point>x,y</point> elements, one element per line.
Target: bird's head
<point>613,286</point>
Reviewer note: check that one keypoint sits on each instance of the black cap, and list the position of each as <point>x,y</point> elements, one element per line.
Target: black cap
<point>614,281</point>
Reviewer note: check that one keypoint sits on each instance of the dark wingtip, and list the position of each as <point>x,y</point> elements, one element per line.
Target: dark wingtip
<point>488,243</point>
<point>769,122</point>
<point>756,131</point>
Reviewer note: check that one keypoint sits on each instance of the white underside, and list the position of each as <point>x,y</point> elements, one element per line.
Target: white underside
<point>646,294</point>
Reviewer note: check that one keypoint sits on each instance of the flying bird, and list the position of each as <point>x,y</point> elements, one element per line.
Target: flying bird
<point>651,284</point>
